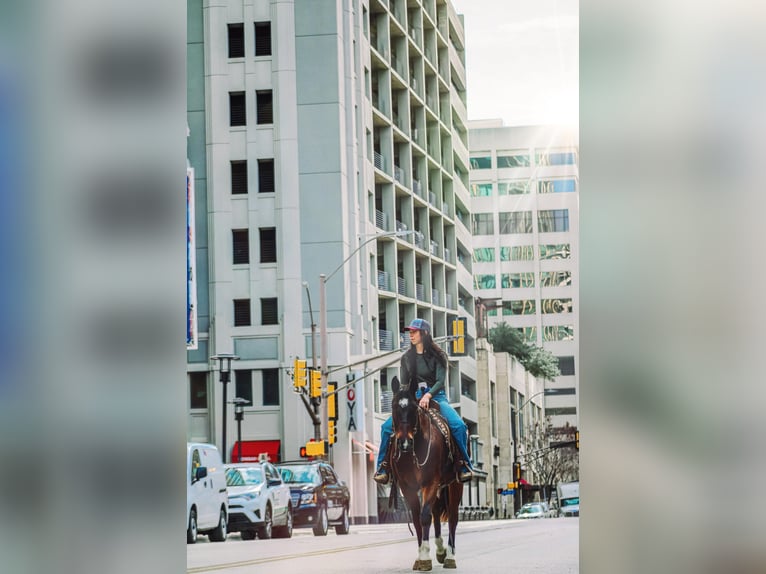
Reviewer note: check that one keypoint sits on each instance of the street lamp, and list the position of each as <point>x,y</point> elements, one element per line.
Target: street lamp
<point>239,414</point>
<point>514,425</point>
<point>323,279</point>
<point>224,368</point>
<point>317,427</point>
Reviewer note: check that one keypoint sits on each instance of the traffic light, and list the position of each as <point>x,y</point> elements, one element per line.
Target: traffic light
<point>315,388</point>
<point>332,402</point>
<point>332,432</point>
<point>458,331</point>
<point>316,448</point>
<point>577,440</point>
<point>299,374</point>
<point>511,485</point>
<point>500,491</point>
<point>516,471</point>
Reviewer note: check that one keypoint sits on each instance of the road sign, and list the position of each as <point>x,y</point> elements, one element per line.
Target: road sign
<point>508,491</point>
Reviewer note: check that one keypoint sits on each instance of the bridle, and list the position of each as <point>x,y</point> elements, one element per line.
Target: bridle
<point>414,433</point>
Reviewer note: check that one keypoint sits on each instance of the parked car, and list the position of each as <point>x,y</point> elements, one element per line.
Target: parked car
<point>533,510</point>
<point>259,501</point>
<point>207,506</point>
<point>320,499</point>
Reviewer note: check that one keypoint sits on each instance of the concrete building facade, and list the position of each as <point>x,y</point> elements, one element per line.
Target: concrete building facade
<point>525,221</point>
<point>317,131</point>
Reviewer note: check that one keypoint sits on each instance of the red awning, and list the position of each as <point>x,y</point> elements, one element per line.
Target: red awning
<point>255,450</point>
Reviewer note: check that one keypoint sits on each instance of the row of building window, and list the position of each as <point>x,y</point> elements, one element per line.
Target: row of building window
<point>239,179</point>
<point>264,108</point>
<point>243,380</point>
<point>236,37</point>
<point>529,307</point>
<point>243,314</point>
<point>511,160</point>
<point>523,187</point>
<point>550,332</point>
<point>512,222</point>
<point>521,280</point>
<point>522,253</point>
<point>267,241</point>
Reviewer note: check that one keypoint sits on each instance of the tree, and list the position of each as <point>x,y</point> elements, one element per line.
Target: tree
<point>549,464</point>
<point>539,362</point>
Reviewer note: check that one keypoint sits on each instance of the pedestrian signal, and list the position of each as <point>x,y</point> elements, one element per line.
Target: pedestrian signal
<point>332,403</point>
<point>299,374</point>
<point>316,448</point>
<point>332,432</point>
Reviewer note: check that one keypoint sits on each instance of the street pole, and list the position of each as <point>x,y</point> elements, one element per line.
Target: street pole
<point>317,427</point>
<point>224,369</point>
<point>323,349</point>
<point>514,423</point>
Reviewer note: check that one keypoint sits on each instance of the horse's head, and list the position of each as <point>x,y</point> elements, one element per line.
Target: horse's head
<point>404,411</point>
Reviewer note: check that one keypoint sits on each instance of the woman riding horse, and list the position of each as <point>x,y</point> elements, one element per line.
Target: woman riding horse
<point>426,363</point>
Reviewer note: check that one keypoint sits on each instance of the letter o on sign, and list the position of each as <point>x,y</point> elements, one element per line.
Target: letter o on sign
<point>351,394</point>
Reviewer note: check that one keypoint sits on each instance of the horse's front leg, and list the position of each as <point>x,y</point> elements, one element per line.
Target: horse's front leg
<point>424,550</point>
<point>436,513</point>
<point>413,501</point>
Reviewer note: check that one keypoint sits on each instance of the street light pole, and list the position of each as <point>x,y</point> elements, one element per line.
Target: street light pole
<point>239,414</point>
<point>514,433</point>
<point>317,427</point>
<point>224,371</point>
<point>323,279</point>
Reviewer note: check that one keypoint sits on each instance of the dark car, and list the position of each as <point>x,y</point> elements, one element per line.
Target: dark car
<point>319,498</point>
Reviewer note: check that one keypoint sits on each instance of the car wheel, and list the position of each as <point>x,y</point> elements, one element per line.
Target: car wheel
<point>264,532</point>
<point>247,534</point>
<point>219,534</point>
<point>191,530</point>
<point>321,526</point>
<point>286,531</point>
<point>342,528</point>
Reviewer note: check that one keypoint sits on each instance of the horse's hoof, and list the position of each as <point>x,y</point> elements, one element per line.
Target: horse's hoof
<point>440,556</point>
<point>450,563</point>
<point>422,566</point>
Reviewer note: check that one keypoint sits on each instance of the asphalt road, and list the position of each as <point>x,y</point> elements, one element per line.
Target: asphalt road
<point>544,546</point>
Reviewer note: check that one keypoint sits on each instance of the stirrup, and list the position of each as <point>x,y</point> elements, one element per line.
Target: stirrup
<point>465,473</point>
<point>381,476</point>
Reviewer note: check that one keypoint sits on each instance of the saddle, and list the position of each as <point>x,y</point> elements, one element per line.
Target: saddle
<point>453,455</point>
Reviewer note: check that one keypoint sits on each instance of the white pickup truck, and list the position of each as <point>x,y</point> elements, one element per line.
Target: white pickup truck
<point>569,498</point>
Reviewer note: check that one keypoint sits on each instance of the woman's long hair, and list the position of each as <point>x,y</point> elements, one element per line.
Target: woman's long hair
<point>432,353</point>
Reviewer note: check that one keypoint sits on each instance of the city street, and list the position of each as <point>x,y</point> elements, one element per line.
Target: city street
<point>544,546</point>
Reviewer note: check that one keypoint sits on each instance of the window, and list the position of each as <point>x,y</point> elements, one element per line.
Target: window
<point>552,220</point>
<point>515,280</point>
<point>484,254</point>
<point>241,312</point>
<point>198,390</point>
<point>483,224</point>
<point>240,246</point>
<point>265,176</point>
<point>263,38</point>
<point>243,385</point>
<point>555,278</point>
<point>513,187</point>
<point>239,177</point>
<point>484,281</point>
<point>522,307</point>
<point>517,253</point>
<point>269,311</point>
<point>529,334</point>
<point>561,411</point>
<point>556,158</point>
<point>268,241</point>
<point>558,333</point>
<point>559,251</point>
<point>481,189</point>
<point>557,392</point>
<point>556,305</point>
<point>556,186</point>
<point>265,107</point>
<point>484,162</point>
<point>236,40</point>
<point>515,160</point>
<point>567,365</point>
<point>515,222</point>
<point>270,382</point>
<point>237,109</point>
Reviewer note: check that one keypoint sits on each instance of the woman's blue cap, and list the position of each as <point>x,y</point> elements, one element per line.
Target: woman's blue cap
<point>419,325</point>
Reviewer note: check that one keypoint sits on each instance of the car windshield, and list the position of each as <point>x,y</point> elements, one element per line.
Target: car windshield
<point>296,474</point>
<point>244,476</point>
<point>570,501</point>
<point>529,509</point>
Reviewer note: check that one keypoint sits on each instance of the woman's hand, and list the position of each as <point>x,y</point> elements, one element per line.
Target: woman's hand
<point>424,400</point>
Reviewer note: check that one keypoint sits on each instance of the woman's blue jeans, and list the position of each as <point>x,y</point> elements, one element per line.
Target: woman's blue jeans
<point>456,426</point>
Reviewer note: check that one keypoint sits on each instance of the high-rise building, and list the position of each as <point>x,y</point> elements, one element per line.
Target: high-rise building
<point>318,130</point>
<point>524,188</point>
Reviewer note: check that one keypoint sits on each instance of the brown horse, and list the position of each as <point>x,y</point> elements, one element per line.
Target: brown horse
<point>423,467</point>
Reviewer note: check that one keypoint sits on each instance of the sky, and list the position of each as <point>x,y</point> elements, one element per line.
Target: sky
<point>522,60</point>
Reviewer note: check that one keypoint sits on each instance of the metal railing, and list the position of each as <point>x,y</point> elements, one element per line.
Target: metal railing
<point>381,220</point>
<point>404,341</point>
<point>385,340</point>
<point>434,248</point>
<point>420,292</point>
<point>380,161</point>
<point>401,286</point>
<point>434,297</point>
<point>420,241</point>
<point>448,300</point>
<point>384,280</point>
<point>399,175</point>
<point>416,186</point>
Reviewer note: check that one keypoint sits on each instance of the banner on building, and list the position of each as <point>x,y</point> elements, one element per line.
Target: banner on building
<point>191,278</point>
<point>355,402</point>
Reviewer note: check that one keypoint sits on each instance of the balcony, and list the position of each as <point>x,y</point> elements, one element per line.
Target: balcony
<point>401,286</point>
<point>399,175</point>
<point>381,220</point>
<point>435,297</point>
<point>420,241</point>
<point>404,341</point>
<point>420,292</point>
<point>448,256</point>
<point>417,187</point>
<point>385,340</point>
<point>384,281</point>
<point>380,161</point>
<point>434,248</point>
<point>433,200</point>
<point>449,300</point>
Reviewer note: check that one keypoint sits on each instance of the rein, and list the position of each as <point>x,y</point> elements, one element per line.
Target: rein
<point>416,432</point>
